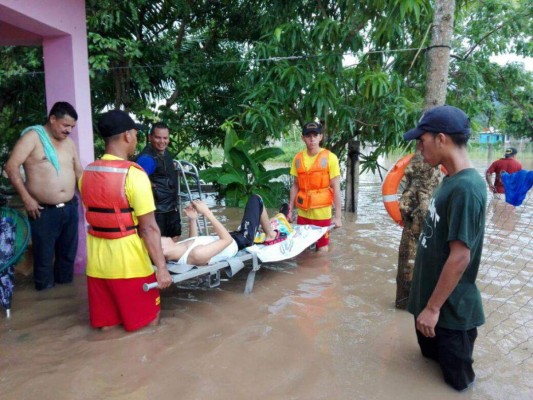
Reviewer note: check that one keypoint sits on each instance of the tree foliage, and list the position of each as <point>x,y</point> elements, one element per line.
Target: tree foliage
<point>171,61</point>
<point>22,93</point>
<point>271,66</point>
<point>243,172</point>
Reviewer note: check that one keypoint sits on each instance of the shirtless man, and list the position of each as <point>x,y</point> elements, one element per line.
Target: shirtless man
<point>52,167</point>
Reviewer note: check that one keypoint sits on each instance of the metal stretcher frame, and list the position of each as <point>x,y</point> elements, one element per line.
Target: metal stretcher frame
<point>230,267</point>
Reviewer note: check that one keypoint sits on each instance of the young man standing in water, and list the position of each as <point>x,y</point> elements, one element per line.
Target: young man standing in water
<point>51,165</point>
<point>316,184</point>
<point>123,237</point>
<point>444,297</point>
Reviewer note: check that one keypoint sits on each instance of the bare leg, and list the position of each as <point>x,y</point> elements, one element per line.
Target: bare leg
<point>323,248</point>
<point>157,320</point>
<point>166,241</point>
<point>108,328</point>
<point>265,224</point>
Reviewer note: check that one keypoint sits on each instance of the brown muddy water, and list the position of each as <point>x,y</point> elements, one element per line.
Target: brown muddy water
<point>315,327</point>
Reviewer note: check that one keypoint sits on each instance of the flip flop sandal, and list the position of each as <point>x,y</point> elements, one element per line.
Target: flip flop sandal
<point>280,237</point>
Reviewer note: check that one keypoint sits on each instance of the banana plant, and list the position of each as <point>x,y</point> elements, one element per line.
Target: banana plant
<point>243,172</point>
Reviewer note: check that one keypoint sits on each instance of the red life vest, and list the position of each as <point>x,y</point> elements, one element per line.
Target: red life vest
<point>103,192</point>
<point>314,190</point>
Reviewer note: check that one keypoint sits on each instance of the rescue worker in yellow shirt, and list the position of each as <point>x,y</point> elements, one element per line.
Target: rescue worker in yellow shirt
<point>316,184</point>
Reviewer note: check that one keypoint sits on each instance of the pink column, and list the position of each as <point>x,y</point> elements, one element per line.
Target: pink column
<point>60,26</point>
<point>67,79</point>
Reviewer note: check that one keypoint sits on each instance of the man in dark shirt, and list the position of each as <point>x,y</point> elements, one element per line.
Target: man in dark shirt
<point>444,297</point>
<point>508,164</point>
<point>159,165</point>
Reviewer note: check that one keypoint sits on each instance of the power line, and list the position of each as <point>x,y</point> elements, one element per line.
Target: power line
<point>252,60</point>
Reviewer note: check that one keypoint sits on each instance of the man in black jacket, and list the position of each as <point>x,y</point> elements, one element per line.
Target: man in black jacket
<point>159,165</point>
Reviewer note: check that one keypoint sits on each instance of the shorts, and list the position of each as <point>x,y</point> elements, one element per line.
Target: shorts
<point>122,301</point>
<point>324,240</point>
<point>452,350</point>
<point>169,223</point>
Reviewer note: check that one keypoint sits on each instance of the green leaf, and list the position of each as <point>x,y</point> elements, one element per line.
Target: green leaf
<point>228,178</point>
<point>266,153</point>
<point>277,34</point>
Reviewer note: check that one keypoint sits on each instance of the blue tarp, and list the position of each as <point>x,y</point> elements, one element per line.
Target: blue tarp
<point>516,186</point>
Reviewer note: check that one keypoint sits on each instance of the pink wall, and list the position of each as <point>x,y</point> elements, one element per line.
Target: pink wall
<point>59,25</point>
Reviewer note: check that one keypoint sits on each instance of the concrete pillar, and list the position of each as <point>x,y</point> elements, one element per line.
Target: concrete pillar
<point>67,79</point>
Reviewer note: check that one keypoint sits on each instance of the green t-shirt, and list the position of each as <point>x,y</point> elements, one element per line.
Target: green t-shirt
<point>456,212</point>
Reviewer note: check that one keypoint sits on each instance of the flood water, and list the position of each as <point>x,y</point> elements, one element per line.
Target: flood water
<point>315,327</point>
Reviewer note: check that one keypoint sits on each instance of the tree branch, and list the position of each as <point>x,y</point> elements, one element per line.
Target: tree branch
<point>497,28</point>
<point>177,46</point>
<point>365,124</point>
<point>420,48</point>
<point>469,52</point>
<point>322,9</point>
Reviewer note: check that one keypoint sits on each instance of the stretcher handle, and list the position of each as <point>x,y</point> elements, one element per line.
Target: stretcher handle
<point>149,286</point>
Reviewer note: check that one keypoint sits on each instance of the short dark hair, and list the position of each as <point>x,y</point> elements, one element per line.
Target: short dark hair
<point>459,139</point>
<point>62,108</point>
<point>158,125</point>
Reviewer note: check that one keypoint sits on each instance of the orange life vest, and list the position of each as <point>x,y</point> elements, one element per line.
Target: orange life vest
<point>314,190</point>
<point>103,192</point>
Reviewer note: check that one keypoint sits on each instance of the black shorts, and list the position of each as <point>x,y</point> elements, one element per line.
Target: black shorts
<point>251,220</point>
<point>452,350</point>
<point>169,223</point>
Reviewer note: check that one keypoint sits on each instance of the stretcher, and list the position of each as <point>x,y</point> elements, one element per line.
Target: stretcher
<point>211,274</point>
<point>301,238</point>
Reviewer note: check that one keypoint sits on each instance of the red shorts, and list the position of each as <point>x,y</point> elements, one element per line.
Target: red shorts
<point>324,240</point>
<point>122,301</point>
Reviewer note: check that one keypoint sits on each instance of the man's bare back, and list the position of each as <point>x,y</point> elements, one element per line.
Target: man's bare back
<point>44,185</point>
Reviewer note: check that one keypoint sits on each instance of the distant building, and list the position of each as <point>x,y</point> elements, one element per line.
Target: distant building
<point>491,138</point>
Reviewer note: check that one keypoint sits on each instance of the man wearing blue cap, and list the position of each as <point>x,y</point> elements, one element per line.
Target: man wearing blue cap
<point>444,297</point>
<point>507,164</point>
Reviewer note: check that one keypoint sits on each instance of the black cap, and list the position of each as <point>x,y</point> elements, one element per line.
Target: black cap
<point>443,119</point>
<point>511,151</point>
<point>116,121</point>
<point>311,127</point>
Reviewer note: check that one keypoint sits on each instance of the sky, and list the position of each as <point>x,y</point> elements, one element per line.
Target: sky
<point>504,59</point>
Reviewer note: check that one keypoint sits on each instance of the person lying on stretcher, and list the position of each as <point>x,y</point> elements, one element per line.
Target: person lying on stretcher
<point>204,250</point>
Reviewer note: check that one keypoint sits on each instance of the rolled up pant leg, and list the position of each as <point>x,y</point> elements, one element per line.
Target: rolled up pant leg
<point>245,233</point>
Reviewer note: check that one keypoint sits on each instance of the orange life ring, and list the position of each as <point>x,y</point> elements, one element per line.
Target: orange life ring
<point>390,187</point>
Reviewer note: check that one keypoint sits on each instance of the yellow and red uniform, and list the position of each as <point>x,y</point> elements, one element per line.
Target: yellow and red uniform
<point>315,195</point>
<point>125,257</point>
<point>314,174</point>
<point>117,268</point>
<point>314,190</point>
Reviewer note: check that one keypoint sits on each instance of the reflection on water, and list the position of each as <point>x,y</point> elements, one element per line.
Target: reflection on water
<point>316,327</point>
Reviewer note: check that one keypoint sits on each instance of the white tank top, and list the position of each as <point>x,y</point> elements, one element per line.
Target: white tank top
<point>228,252</point>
